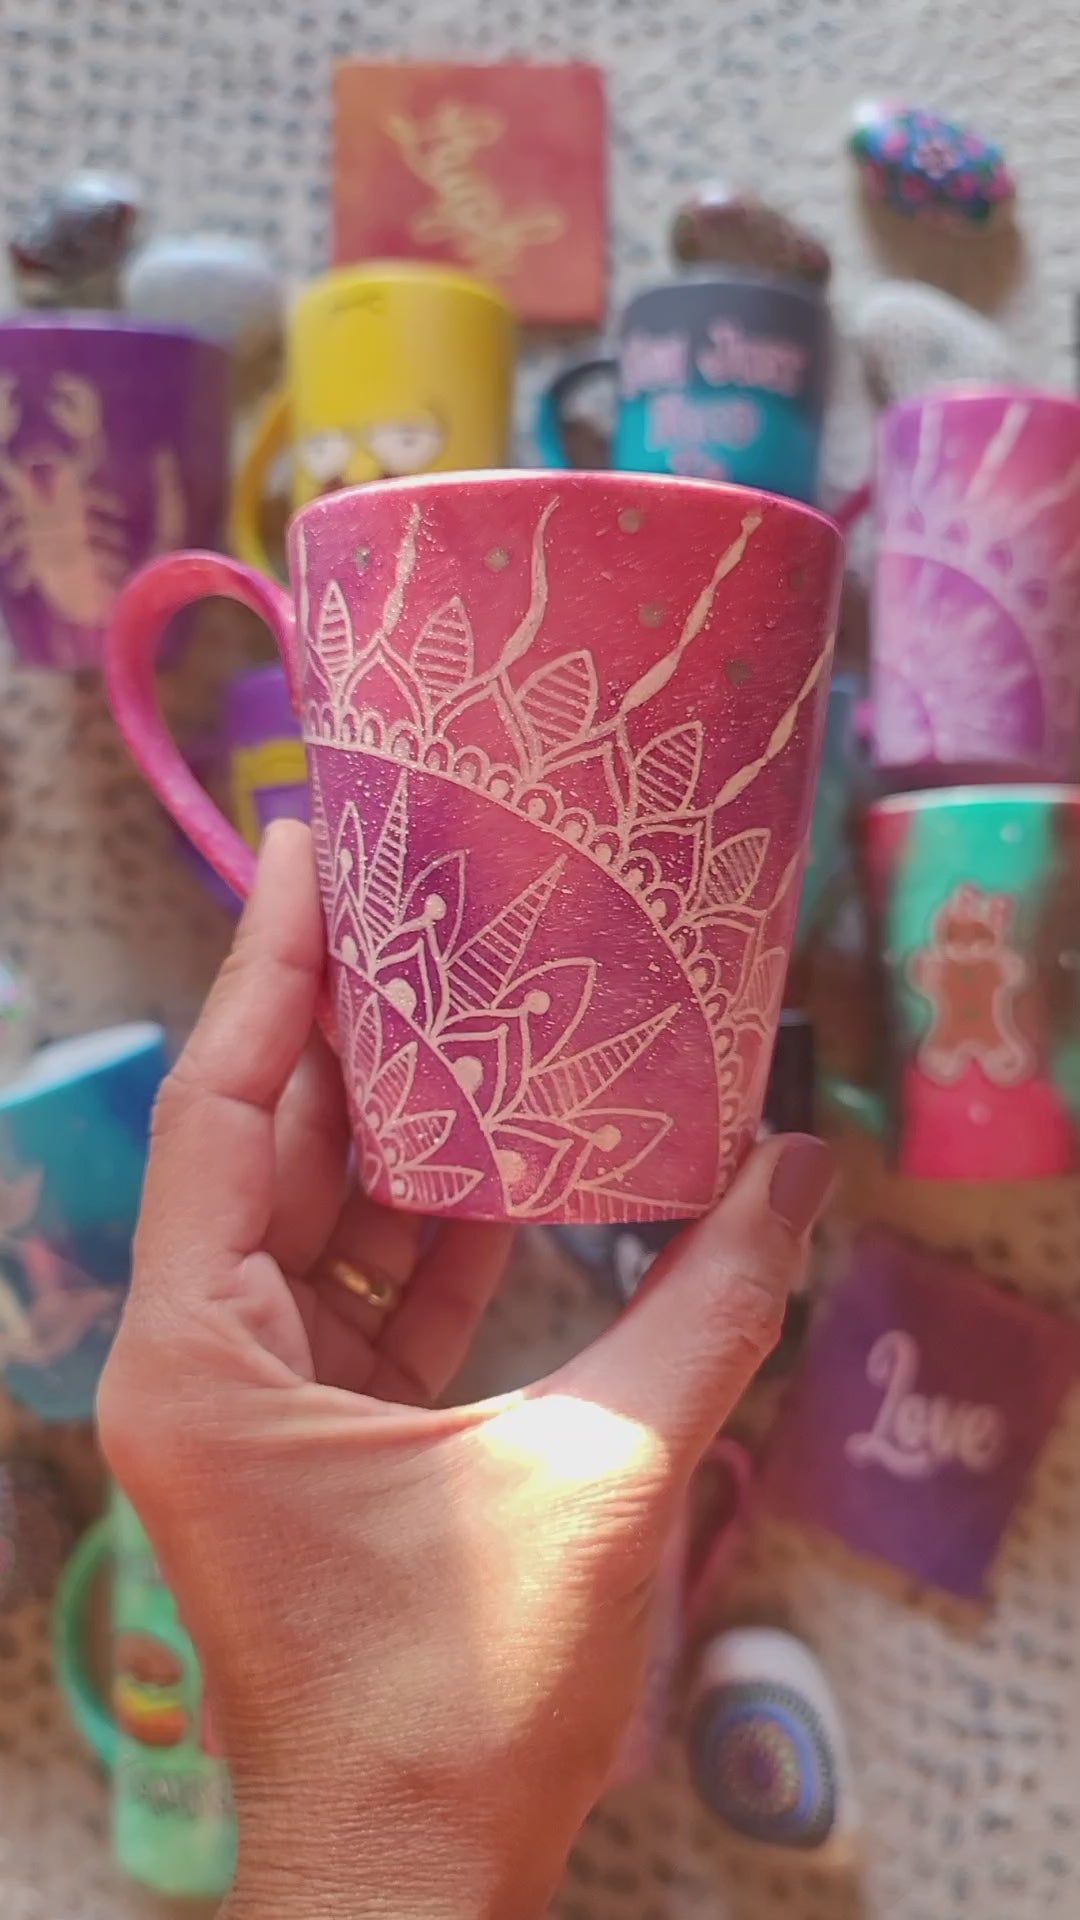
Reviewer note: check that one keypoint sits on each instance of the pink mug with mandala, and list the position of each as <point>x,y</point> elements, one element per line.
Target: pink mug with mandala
<point>975,632</point>
<point>562,736</point>
<point>114,446</point>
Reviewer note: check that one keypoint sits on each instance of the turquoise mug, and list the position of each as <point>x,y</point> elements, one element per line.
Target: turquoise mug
<point>74,1131</point>
<point>719,376</point>
<point>173,1825</point>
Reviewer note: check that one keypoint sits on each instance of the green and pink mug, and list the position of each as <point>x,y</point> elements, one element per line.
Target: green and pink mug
<point>173,1826</point>
<point>976,894</point>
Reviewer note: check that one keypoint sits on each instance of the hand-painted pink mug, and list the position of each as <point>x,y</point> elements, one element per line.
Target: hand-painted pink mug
<point>975,631</point>
<point>562,732</point>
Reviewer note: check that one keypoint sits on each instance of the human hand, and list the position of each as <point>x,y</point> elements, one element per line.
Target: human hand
<point>423,1631</point>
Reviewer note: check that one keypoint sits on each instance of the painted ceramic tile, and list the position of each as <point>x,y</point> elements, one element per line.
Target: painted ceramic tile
<point>498,169</point>
<point>925,1398</point>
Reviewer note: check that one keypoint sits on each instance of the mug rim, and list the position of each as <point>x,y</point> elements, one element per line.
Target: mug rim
<point>487,479</point>
<point>1014,794</point>
<point>100,321</point>
<point>425,273</point>
<point>966,392</point>
<point>714,273</point>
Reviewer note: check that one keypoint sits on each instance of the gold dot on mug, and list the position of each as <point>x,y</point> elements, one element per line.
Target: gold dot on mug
<point>631,519</point>
<point>361,556</point>
<point>497,559</point>
<point>738,672</point>
<point>651,615</point>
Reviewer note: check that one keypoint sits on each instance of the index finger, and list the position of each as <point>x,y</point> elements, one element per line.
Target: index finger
<point>209,1185</point>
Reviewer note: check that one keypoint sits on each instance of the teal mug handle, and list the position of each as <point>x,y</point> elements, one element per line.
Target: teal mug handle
<point>862,1104</point>
<point>88,1709</point>
<point>550,436</point>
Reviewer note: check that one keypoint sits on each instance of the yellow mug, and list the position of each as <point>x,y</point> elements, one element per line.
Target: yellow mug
<point>392,368</point>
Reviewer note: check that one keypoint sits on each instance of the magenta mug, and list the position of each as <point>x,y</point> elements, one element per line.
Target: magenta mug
<point>975,626</point>
<point>562,733</point>
<point>114,446</point>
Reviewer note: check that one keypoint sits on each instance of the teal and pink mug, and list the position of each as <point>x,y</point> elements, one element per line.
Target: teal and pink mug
<point>976,895</point>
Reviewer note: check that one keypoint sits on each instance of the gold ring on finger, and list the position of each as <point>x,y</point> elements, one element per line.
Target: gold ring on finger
<point>379,1291</point>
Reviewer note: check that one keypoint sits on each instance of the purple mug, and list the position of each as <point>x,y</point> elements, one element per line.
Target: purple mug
<point>265,751</point>
<point>114,443</point>
<point>258,756</point>
<point>975,639</point>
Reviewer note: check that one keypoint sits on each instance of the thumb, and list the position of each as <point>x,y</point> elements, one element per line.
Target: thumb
<point>712,1305</point>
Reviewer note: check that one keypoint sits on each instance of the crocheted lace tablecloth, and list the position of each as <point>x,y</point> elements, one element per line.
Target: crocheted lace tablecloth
<point>966,1738</point>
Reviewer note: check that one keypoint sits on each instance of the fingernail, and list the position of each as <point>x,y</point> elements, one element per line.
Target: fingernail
<point>801,1182</point>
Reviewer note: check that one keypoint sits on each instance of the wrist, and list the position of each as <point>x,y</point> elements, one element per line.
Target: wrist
<point>386,1861</point>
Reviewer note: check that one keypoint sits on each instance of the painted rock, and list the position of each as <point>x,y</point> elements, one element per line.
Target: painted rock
<point>920,163</point>
<point>210,283</point>
<point>37,1531</point>
<point>70,248</point>
<point>722,227</point>
<point>912,338</point>
<point>766,1748</point>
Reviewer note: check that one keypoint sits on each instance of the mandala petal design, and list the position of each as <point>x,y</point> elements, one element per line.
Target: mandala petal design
<point>431,1189</point>
<point>764,987</point>
<point>415,1138</point>
<point>538,1166</point>
<point>388,1092</point>
<point>334,632</point>
<point>478,1058</point>
<point>568,1086</point>
<point>552,999</point>
<point>559,700</point>
<point>324,853</point>
<point>621,1138</point>
<point>481,969</point>
<point>443,655</point>
<point>367,1047</point>
<point>383,885</point>
<point>734,868</point>
<point>437,896</point>
<point>668,768</point>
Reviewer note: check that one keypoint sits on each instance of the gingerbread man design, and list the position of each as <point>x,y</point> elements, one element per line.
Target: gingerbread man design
<point>972,978</point>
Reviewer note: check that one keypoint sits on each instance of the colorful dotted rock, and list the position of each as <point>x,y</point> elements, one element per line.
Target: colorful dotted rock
<point>912,338</point>
<point>69,250</point>
<point>722,227</point>
<point>766,1747</point>
<point>212,283</point>
<point>37,1531</point>
<point>919,163</point>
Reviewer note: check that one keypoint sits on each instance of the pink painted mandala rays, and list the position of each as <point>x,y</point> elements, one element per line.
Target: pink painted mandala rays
<point>559,911</point>
<point>439,1014</point>
<point>977,588</point>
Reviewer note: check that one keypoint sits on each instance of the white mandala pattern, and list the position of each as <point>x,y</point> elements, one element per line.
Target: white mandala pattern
<point>502,1023</point>
<point>977,601</point>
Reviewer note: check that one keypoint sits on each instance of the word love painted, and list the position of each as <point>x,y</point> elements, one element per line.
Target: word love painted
<point>729,356</point>
<point>916,1434</point>
<point>924,1399</point>
<point>468,209</point>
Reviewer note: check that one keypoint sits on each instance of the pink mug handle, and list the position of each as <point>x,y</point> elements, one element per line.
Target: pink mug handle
<point>143,610</point>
